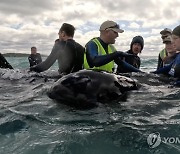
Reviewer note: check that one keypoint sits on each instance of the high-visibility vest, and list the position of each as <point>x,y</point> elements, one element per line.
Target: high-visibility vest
<point>107,67</point>
<point>163,53</point>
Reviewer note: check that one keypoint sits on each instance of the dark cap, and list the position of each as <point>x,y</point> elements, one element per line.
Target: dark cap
<point>176,31</point>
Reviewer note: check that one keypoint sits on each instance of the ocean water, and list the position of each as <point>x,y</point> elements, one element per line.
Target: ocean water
<point>31,123</point>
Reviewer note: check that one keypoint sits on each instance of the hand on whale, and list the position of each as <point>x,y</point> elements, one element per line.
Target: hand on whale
<point>85,88</point>
<point>124,54</point>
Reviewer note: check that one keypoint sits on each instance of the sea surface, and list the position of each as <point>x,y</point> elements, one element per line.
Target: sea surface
<point>31,123</point>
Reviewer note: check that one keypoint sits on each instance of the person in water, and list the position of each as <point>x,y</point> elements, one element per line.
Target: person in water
<point>100,54</point>
<point>66,50</point>
<point>173,69</point>
<point>163,53</point>
<point>34,58</point>
<point>171,51</point>
<point>167,55</point>
<point>4,63</point>
<point>136,47</point>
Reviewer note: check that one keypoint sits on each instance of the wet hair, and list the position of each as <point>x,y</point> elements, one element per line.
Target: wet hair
<point>68,29</point>
<point>33,48</point>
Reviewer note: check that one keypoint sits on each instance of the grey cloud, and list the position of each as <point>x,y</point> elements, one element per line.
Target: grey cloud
<point>25,7</point>
<point>138,8</point>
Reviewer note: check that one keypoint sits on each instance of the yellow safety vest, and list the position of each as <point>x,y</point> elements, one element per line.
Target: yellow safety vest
<point>163,53</point>
<point>107,67</point>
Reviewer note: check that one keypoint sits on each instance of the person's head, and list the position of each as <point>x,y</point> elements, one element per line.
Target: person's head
<point>33,50</point>
<point>165,32</point>
<point>137,44</point>
<point>176,37</point>
<point>169,45</point>
<point>109,31</point>
<point>66,31</point>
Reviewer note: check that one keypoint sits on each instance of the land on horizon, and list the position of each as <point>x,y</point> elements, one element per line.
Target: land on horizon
<point>19,55</point>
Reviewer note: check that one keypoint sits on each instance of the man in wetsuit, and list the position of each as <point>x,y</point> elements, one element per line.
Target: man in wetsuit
<point>136,47</point>
<point>173,69</point>
<point>4,63</point>
<point>67,51</point>
<point>34,58</point>
<point>101,54</point>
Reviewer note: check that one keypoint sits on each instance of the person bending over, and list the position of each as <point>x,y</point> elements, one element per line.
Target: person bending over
<point>66,50</point>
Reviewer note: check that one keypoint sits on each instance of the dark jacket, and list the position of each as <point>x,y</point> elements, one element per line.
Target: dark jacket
<point>34,59</point>
<point>4,63</point>
<point>134,61</point>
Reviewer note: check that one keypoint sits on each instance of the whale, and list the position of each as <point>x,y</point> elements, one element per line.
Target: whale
<point>88,88</point>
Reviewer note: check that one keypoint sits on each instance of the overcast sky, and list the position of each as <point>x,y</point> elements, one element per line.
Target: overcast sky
<point>26,23</point>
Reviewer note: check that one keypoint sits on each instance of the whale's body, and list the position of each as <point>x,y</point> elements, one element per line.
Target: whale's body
<point>87,87</point>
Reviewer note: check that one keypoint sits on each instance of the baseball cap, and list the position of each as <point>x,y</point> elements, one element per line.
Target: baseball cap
<point>166,31</point>
<point>111,25</point>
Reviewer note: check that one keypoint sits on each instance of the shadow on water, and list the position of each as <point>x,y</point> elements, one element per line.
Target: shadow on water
<point>11,127</point>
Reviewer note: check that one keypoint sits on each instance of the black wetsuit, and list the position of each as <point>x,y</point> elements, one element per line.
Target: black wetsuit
<point>70,56</point>
<point>134,61</point>
<point>34,59</point>
<point>4,63</point>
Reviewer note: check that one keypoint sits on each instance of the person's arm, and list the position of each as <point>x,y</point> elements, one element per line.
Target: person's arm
<point>126,66</point>
<point>163,70</point>
<point>50,59</point>
<point>98,60</point>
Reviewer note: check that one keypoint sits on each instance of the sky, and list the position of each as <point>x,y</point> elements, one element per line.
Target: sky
<point>26,23</point>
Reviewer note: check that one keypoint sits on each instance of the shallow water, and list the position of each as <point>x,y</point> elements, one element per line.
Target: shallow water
<point>32,123</point>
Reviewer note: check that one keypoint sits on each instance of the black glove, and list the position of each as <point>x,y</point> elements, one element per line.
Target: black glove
<point>33,68</point>
<point>124,54</point>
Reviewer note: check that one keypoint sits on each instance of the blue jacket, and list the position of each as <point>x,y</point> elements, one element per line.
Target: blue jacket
<point>173,69</point>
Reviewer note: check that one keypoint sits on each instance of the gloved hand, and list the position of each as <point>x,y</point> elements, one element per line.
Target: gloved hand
<point>33,68</point>
<point>124,54</point>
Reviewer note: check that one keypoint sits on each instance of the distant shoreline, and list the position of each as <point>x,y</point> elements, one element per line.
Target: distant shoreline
<point>26,55</point>
<point>18,55</point>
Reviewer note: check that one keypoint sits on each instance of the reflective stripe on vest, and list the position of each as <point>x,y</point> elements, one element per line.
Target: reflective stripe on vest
<point>107,67</point>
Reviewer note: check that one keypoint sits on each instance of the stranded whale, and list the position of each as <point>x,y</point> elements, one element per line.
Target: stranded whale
<point>85,88</point>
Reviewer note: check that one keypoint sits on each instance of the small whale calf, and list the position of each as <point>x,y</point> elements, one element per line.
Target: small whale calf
<point>87,88</point>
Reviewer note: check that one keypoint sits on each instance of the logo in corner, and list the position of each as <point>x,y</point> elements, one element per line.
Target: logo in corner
<point>154,140</point>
